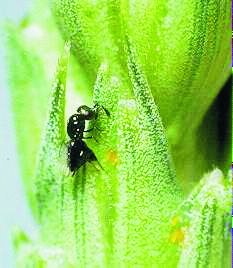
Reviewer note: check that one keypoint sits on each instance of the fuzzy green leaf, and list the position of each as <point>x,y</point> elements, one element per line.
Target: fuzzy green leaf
<point>123,198</point>
<point>121,210</point>
<point>87,24</point>
<point>201,226</point>
<point>28,94</point>
<point>184,51</point>
<point>47,169</point>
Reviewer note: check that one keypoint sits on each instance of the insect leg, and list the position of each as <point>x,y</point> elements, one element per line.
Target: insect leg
<point>97,107</point>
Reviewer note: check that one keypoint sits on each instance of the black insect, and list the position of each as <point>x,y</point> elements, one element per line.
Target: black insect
<point>78,153</point>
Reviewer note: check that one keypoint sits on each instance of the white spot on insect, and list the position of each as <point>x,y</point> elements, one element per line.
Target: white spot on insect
<point>75,122</point>
<point>81,153</point>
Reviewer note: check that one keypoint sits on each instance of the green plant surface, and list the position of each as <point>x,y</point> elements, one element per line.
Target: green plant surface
<point>183,47</point>
<point>111,220</point>
<point>28,98</point>
<point>157,68</point>
<point>204,218</point>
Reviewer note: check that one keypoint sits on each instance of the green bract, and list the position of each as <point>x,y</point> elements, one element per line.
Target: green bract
<point>156,66</point>
<point>183,48</point>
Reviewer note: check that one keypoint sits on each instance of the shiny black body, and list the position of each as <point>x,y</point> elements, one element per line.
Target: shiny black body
<point>78,153</point>
<point>75,127</point>
<point>76,123</point>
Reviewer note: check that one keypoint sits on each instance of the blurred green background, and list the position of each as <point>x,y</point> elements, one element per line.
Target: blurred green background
<point>13,207</point>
